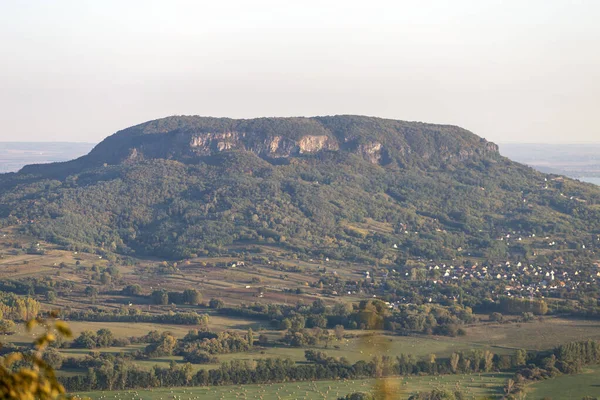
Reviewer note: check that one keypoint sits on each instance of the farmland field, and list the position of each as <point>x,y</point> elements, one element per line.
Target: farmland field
<point>534,335</point>
<point>473,386</point>
<point>361,345</point>
<point>264,283</point>
<point>568,386</point>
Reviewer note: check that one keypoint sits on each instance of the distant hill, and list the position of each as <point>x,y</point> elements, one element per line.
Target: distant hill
<point>15,155</point>
<point>346,187</point>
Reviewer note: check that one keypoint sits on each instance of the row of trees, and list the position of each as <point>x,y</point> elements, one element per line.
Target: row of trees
<point>569,358</point>
<point>368,314</point>
<point>16,308</point>
<point>178,318</point>
<point>188,296</point>
<point>124,374</point>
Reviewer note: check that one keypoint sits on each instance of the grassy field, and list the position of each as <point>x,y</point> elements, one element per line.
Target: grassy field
<point>119,329</point>
<point>534,335</point>
<point>473,386</point>
<point>568,387</point>
<point>498,338</point>
<point>354,349</point>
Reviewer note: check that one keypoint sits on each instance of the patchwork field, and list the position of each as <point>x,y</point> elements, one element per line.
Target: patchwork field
<point>268,283</point>
<point>360,345</point>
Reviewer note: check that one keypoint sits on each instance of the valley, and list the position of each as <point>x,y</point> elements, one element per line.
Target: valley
<point>194,254</point>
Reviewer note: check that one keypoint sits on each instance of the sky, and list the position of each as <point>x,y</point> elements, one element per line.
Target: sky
<point>510,71</point>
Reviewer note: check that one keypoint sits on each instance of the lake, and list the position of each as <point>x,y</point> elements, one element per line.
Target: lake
<point>595,181</point>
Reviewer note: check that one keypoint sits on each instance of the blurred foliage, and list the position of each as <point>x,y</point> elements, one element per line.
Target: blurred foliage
<point>27,375</point>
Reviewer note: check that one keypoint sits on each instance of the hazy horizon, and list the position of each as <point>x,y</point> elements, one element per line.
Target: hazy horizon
<point>509,71</point>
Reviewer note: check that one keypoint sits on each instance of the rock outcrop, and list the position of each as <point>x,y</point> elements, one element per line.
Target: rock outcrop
<point>379,141</point>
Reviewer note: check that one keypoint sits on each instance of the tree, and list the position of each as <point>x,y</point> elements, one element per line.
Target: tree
<point>454,359</point>
<point>488,361</point>
<point>53,358</point>
<point>358,396</point>
<point>132,290</point>
<point>216,303</point>
<point>105,278</point>
<point>7,326</point>
<point>104,338</point>
<point>160,297</point>
<point>51,296</point>
<point>114,272</point>
<point>91,291</point>
<point>85,340</point>
<point>432,358</point>
<point>163,347</point>
<point>317,321</point>
<point>339,332</point>
<point>192,296</point>
<point>298,322</point>
<point>263,340</point>
<point>496,317</point>
<point>32,383</point>
<point>285,324</point>
<point>437,394</point>
<point>509,387</point>
<point>520,357</point>
<point>250,337</point>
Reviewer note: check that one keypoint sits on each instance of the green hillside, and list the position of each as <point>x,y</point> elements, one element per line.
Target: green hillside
<point>344,187</point>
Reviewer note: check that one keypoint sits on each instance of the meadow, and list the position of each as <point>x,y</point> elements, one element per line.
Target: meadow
<point>577,386</point>
<point>477,386</point>
<point>543,334</point>
<point>357,345</point>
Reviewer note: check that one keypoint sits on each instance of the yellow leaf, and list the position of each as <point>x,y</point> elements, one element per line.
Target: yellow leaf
<point>63,329</point>
<point>12,358</point>
<point>32,323</point>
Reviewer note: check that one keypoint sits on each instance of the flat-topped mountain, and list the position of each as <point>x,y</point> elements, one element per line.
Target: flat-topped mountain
<point>347,187</point>
<point>380,141</point>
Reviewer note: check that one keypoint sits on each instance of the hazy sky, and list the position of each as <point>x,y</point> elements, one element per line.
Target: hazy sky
<point>510,71</point>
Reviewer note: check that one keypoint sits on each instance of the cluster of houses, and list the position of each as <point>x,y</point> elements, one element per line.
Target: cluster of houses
<point>521,278</point>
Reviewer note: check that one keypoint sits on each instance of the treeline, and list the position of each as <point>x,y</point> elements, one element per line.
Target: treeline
<point>435,394</point>
<point>216,342</point>
<point>368,314</point>
<point>565,359</point>
<point>513,305</point>
<point>99,339</point>
<point>188,296</point>
<point>35,286</point>
<point>178,318</point>
<point>197,347</point>
<point>115,372</point>
<point>16,308</point>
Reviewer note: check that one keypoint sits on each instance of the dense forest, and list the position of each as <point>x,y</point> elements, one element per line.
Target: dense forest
<point>345,187</point>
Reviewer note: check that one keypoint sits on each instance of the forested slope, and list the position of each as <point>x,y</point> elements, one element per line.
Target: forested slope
<point>346,187</point>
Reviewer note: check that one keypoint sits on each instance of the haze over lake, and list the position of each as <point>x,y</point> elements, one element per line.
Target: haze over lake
<point>595,181</point>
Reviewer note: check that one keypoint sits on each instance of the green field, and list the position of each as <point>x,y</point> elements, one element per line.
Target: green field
<point>354,349</point>
<point>474,386</point>
<point>547,334</point>
<point>568,386</point>
<point>498,338</point>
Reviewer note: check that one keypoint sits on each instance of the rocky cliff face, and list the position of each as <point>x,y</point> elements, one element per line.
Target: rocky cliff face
<point>377,140</point>
<point>271,146</point>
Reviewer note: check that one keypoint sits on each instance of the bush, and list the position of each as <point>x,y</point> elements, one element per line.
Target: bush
<point>7,327</point>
